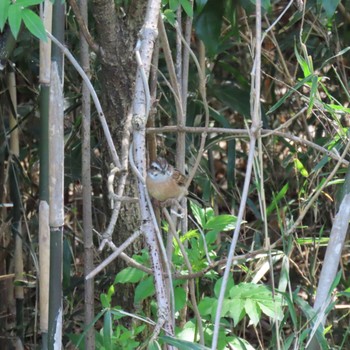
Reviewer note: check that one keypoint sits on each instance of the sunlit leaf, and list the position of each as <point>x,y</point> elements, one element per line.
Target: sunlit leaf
<point>15,19</point>
<point>300,167</point>
<point>129,275</point>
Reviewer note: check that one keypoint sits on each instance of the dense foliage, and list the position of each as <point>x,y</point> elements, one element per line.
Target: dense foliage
<point>305,132</point>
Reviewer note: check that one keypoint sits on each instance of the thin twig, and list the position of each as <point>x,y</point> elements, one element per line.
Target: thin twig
<point>191,282</point>
<point>319,191</point>
<point>254,134</point>
<point>84,29</point>
<point>114,255</point>
<point>244,133</point>
<point>94,97</point>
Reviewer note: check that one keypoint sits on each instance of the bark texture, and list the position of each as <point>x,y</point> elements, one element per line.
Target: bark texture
<point>117,30</point>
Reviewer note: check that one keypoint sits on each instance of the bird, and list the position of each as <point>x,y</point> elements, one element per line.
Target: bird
<point>164,182</point>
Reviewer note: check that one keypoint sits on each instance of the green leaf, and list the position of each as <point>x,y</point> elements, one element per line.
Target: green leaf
<point>200,6</point>
<point>329,6</point>
<point>187,6</point>
<point>15,19</point>
<point>208,25</point>
<point>229,286</point>
<point>205,306</point>
<point>253,311</point>
<point>198,213</point>
<point>144,289</point>
<point>27,3</point>
<point>4,8</point>
<point>180,298</point>
<point>303,63</point>
<point>237,312</point>
<point>234,97</point>
<point>107,330</point>
<point>34,24</point>
<point>173,5</point>
<point>154,345</point>
<point>219,223</point>
<point>129,275</point>
<point>313,93</point>
<point>104,300</point>
<point>182,344</point>
<point>170,16</point>
<point>274,311</point>
<point>300,167</point>
<point>285,96</point>
<point>338,108</point>
<point>276,199</point>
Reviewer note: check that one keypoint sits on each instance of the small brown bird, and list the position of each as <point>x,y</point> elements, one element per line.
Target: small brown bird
<point>164,181</point>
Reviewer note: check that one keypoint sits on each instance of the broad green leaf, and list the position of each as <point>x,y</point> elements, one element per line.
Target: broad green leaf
<point>104,300</point>
<point>170,16</point>
<point>237,311</point>
<point>144,289</point>
<point>4,8</point>
<point>15,19</point>
<point>173,5</point>
<point>219,223</point>
<point>226,307</point>
<point>253,311</point>
<point>208,25</point>
<point>180,298</point>
<point>274,311</point>
<point>205,306</point>
<point>300,167</point>
<point>129,275</point>
<point>27,3</point>
<point>329,6</point>
<point>187,6</point>
<point>199,213</point>
<point>34,24</point>
<point>234,97</point>
<point>240,344</point>
<point>229,286</point>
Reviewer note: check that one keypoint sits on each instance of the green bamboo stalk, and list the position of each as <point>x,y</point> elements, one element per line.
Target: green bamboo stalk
<point>56,182</point>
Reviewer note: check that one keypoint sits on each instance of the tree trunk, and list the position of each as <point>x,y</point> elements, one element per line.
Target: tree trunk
<point>117,31</point>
